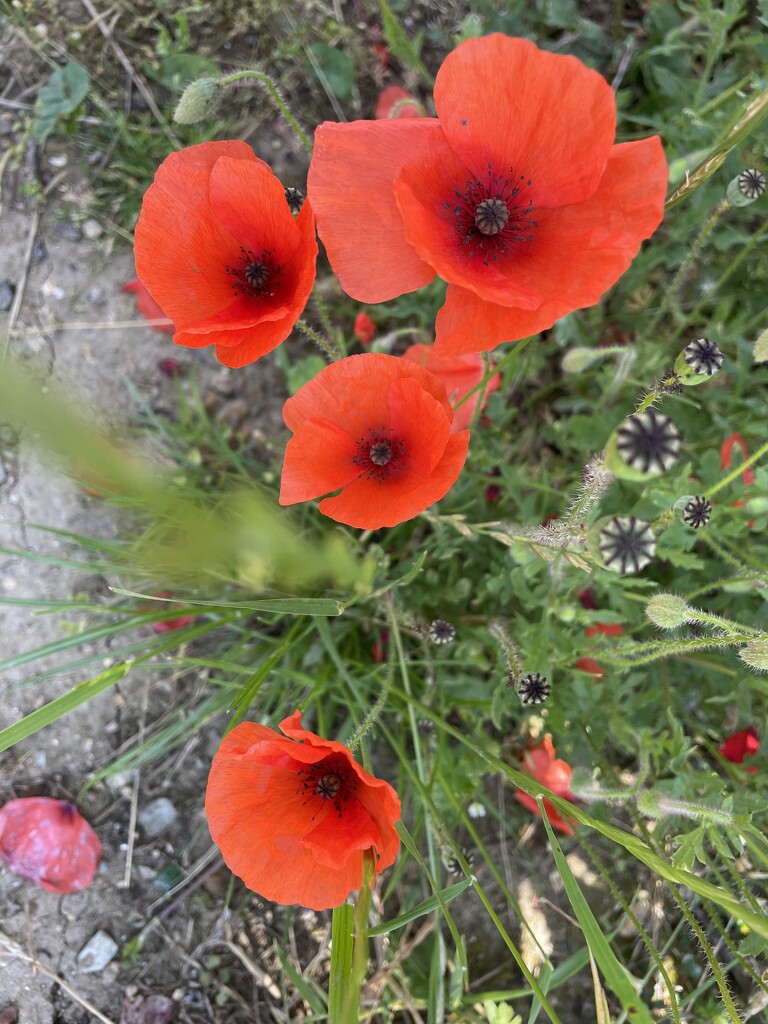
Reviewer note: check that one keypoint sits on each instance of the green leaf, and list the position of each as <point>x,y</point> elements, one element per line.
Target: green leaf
<point>398,42</point>
<point>425,907</point>
<point>339,70</point>
<point>61,706</point>
<point>616,976</point>
<point>65,91</point>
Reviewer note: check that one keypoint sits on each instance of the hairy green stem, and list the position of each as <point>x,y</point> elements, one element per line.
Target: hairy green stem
<point>325,344</point>
<point>266,81</point>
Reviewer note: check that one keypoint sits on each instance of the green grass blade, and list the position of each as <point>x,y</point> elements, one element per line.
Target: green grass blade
<point>425,907</point>
<point>61,705</point>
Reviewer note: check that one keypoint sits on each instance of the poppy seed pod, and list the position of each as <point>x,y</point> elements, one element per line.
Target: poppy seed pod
<point>644,445</point>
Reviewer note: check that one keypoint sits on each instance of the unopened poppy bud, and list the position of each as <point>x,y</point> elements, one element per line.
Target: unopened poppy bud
<point>645,444</point>
<point>756,506</point>
<point>755,654</point>
<point>760,350</point>
<point>198,101</point>
<point>746,187</point>
<point>668,611</point>
<point>576,360</point>
<point>658,805</point>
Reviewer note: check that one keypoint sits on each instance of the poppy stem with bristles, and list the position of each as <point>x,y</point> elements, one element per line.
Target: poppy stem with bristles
<point>266,81</point>
<point>323,343</point>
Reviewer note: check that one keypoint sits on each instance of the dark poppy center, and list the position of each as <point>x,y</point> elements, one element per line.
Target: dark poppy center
<point>380,454</point>
<point>331,780</point>
<point>493,214</point>
<point>256,275</point>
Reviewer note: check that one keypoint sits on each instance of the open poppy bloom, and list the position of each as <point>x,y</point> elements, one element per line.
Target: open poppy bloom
<point>147,307</point>
<point>377,429</point>
<point>555,774</point>
<point>219,250</point>
<point>739,745</point>
<point>48,842</point>
<point>293,817</point>
<point>515,195</point>
<point>459,374</point>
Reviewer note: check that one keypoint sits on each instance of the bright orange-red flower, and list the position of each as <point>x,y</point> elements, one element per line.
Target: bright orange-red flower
<point>395,102</point>
<point>555,774</point>
<point>48,842</point>
<point>364,328</point>
<point>147,306</point>
<point>219,250</point>
<point>294,817</point>
<point>459,374</point>
<point>726,455</point>
<point>515,195</point>
<point>377,429</point>
<point>739,745</point>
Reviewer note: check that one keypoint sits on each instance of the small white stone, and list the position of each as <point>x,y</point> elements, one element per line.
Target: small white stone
<point>157,816</point>
<point>96,953</point>
<point>92,229</point>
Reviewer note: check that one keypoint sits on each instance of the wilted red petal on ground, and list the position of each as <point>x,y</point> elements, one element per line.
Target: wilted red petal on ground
<point>315,810</point>
<point>48,842</point>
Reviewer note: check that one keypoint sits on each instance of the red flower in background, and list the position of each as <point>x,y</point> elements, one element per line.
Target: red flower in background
<point>591,666</point>
<point>221,253</point>
<point>739,745</point>
<point>605,629</point>
<point>395,102</point>
<point>555,774</point>
<point>378,430</point>
<point>726,455</point>
<point>364,329</point>
<point>515,195</point>
<point>459,374</point>
<point>294,817</point>
<point>147,306</point>
<point>48,842</point>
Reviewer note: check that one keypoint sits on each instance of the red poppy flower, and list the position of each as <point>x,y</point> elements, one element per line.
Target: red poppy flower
<point>395,102</point>
<point>364,328</point>
<point>591,666</point>
<point>515,195</point>
<point>739,745</point>
<point>555,774</point>
<point>726,454</point>
<point>147,306</point>
<point>605,629</point>
<point>48,842</point>
<point>459,374</point>
<point>378,430</point>
<point>294,817</point>
<point>220,251</point>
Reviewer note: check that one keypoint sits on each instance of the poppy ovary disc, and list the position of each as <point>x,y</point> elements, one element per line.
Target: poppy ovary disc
<point>491,216</point>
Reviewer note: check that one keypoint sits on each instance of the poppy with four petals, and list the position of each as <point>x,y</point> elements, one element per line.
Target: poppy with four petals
<point>294,815</point>
<point>515,194</point>
<point>220,252</point>
<point>378,430</point>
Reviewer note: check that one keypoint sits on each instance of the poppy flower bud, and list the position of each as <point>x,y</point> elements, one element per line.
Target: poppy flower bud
<point>746,187</point>
<point>760,350</point>
<point>755,654</point>
<point>578,359</point>
<point>645,444</point>
<point>668,611</point>
<point>198,101</point>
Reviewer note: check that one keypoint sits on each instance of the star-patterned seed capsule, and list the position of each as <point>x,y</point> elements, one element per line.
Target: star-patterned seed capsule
<point>704,356</point>
<point>441,632</point>
<point>752,183</point>
<point>627,544</point>
<point>533,688</point>
<point>453,866</point>
<point>697,512</point>
<point>648,442</point>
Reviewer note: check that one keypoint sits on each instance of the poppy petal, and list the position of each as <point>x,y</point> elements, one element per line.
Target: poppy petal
<point>350,187</point>
<point>495,98</point>
<point>48,842</point>
<point>319,458</point>
<point>460,374</point>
